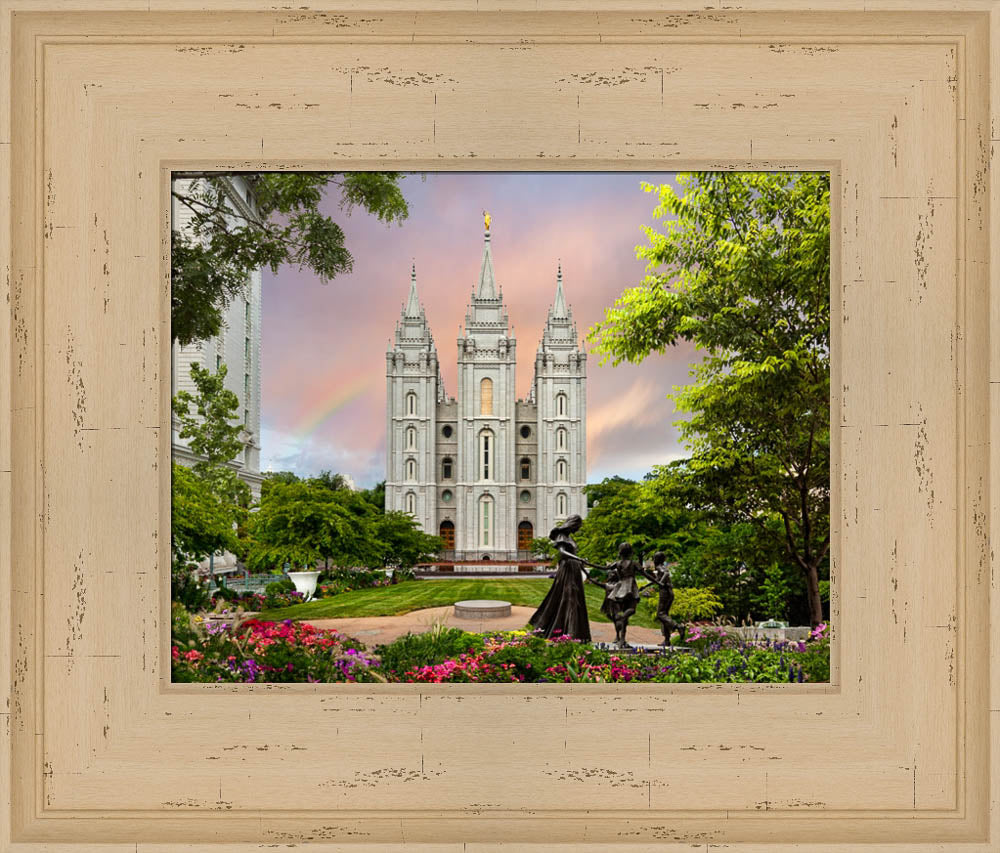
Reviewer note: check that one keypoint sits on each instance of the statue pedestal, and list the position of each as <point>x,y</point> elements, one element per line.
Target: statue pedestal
<point>481,609</point>
<point>642,649</point>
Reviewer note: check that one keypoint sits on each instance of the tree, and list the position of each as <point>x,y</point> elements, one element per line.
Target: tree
<point>401,542</point>
<point>743,271</point>
<point>625,512</point>
<point>272,477</point>
<point>596,492</point>
<point>328,480</point>
<point>375,495</point>
<point>212,258</point>
<point>210,495</point>
<point>303,523</point>
<point>201,524</point>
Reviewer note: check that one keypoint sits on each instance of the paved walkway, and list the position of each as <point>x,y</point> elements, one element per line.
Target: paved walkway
<point>375,630</point>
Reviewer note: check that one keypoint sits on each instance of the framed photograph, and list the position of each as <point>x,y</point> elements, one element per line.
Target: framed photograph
<point>144,148</point>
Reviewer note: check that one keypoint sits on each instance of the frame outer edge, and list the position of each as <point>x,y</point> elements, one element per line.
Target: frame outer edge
<point>5,449</point>
<point>993,420</point>
<point>23,434</point>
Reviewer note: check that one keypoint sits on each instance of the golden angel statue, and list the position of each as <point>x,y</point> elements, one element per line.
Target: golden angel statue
<point>487,219</point>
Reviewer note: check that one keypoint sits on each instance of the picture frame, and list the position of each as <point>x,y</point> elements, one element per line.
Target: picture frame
<point>896,99</point>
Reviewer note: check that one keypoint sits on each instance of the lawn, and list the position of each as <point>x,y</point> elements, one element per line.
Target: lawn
<point>416,595</point>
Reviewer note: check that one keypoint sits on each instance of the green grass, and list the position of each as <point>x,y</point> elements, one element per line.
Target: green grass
<point>416,595</point>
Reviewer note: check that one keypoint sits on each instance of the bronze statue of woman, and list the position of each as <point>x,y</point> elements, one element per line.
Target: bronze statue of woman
<point>563,611</point>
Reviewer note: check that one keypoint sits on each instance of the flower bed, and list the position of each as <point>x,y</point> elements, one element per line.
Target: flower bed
<point>255,651</point>
<point>269,652</point>
<point>713,657</point>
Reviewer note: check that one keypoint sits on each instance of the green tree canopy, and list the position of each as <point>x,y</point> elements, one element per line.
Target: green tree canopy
<point>400,542</point>
<point>305,522</point>
<point>331,481</point>
<point>742,270</point>
<point>210,494</point>
<point>201,524</point>
<point>625,511</point>
<point>210,423</point>
<point>212,258</point>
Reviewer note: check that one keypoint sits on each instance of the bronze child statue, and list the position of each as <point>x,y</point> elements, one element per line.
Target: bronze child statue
<point>621,592</point>
<point>661,578</point>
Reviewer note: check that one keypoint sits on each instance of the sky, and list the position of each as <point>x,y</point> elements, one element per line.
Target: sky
<point>323,345</point>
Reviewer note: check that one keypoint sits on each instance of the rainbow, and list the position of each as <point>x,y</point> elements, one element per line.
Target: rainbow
<point>341,394</point>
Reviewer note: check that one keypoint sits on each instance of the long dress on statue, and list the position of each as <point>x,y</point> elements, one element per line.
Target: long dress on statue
<point>563,611</point>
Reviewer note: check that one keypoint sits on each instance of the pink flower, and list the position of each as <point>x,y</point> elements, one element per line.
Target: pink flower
<point>193,655</point>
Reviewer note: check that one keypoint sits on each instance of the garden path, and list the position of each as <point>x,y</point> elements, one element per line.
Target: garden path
<point>372,630</point>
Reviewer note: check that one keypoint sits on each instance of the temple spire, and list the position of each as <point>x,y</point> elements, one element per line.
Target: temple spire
<point>559,308</point>
<point>487,283</point>
<point>413,304</point>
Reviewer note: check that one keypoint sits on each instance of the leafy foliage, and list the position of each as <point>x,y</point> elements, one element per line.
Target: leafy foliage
<point>742,270</point>
<point>691,604</point>
<point>209,499</point>
<point>306,522</point>
<point>626,511</point>
<point>186,588</point>
<point>435,646</point>
<point>201,522</point>
<point>211,260</point>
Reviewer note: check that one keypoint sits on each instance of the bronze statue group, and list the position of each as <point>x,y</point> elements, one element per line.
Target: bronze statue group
<point>563,612</point>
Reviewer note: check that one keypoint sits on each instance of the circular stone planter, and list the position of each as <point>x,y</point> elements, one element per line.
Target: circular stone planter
<point>481,609</point>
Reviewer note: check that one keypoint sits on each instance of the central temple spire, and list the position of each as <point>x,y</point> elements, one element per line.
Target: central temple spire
<point>487,284</point>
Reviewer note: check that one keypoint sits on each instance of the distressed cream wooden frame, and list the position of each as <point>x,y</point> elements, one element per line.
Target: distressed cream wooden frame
<point>106,96</point>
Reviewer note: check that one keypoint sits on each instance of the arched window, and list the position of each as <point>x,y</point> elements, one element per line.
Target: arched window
<point>560,439</point>
<point>525,533</point>
<point>411,438</point>
<point>561,504</point>
<point>561,471</point>
<point>446,468</point>
<point>561,405</point>
<point>411,403</point>
<point>411,503</point>
<point>411,469</point>
<point>486,397</point>
<point>486,455</point>
<point>447,534</point>
<point>486,534</point>
<point>525,468</point>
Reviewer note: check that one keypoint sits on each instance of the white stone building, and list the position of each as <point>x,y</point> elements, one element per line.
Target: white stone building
<point>485,471</point>
<point>237,346</point>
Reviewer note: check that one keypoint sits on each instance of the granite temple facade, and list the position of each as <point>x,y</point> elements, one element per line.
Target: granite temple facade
<point>483,470</point>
